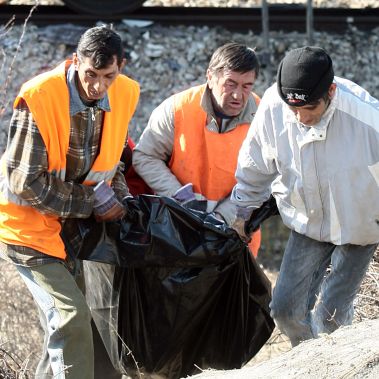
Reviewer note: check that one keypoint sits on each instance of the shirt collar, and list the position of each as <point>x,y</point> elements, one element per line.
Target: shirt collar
<point>76,104</point>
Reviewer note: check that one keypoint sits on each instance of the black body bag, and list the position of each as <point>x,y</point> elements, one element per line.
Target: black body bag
<point>176,290</point>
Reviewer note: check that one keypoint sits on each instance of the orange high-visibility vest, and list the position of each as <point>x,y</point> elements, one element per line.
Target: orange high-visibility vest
<point>204,158</point>
<point>47,97</point>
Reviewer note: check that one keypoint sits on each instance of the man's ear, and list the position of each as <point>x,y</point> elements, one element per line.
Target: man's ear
<point>122,64</point>
<point>332,90</point>
<point>75,61</point>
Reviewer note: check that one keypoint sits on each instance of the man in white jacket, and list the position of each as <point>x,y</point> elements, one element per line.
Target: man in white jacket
<point>314,143</point>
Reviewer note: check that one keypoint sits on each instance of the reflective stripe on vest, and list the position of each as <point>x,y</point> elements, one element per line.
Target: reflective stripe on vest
<point>97,176</point>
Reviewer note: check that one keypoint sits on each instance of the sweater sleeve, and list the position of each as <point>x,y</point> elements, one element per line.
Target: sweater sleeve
<point>256,166</point>
<point>154,149</point>
<point>28,176</point>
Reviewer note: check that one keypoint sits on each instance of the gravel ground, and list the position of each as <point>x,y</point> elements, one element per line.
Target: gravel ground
<point>231,3</point>
<point>165,60</point>
<point>250,3</point>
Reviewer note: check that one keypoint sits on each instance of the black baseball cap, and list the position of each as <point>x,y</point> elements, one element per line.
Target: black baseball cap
<point>304,75</point>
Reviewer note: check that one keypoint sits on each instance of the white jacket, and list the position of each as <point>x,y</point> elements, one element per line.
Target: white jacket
<point>325,178</point>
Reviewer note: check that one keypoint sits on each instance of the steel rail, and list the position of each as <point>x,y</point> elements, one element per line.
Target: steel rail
<point>286,18</point>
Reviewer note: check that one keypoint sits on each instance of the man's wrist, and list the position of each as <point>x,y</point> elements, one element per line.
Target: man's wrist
<point>244,212</point>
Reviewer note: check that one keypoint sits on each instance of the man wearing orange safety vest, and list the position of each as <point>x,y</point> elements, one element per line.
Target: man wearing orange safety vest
<point>65,141</point>
<point>190,146</point>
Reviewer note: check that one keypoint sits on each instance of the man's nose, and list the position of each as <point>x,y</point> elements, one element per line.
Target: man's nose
<point>100,86</point>
<point>302,117</point>
<point>237,93</point>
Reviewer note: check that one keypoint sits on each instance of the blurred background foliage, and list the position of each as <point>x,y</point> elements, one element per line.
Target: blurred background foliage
<point>274,239</point>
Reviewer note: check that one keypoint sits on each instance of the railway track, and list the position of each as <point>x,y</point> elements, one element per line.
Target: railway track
<point>287,18</point>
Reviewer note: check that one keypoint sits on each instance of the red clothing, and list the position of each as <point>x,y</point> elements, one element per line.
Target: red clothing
<point>136,184</point>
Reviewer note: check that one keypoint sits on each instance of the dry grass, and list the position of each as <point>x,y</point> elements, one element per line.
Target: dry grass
<point>20,333</point>
<point>11,366</point>
<point>367,301</point>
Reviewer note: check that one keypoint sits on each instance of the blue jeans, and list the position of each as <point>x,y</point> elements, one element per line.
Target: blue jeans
<point>308,299</point>
<point>66,320</point>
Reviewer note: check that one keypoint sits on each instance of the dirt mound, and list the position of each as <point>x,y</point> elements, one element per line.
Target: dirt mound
<point>349,352</point>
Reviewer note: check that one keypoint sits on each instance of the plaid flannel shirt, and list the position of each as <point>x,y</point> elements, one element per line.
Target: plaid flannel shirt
<point>27,166</point>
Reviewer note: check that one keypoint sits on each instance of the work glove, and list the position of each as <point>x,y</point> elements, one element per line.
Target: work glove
<point>266,210</point>
<point>248,220</point>
<point>184,194</point>
<point>106,207</point>
<point>218,215</point>
<point>242,216</point>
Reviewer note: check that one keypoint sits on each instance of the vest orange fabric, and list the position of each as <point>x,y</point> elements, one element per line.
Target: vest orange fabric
<point>47,97</point>
<point>206,159</point>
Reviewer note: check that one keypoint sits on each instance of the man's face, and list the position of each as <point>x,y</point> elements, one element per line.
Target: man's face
<point>93,83</point>
<point>311,114</point>
<point>230,90</point>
